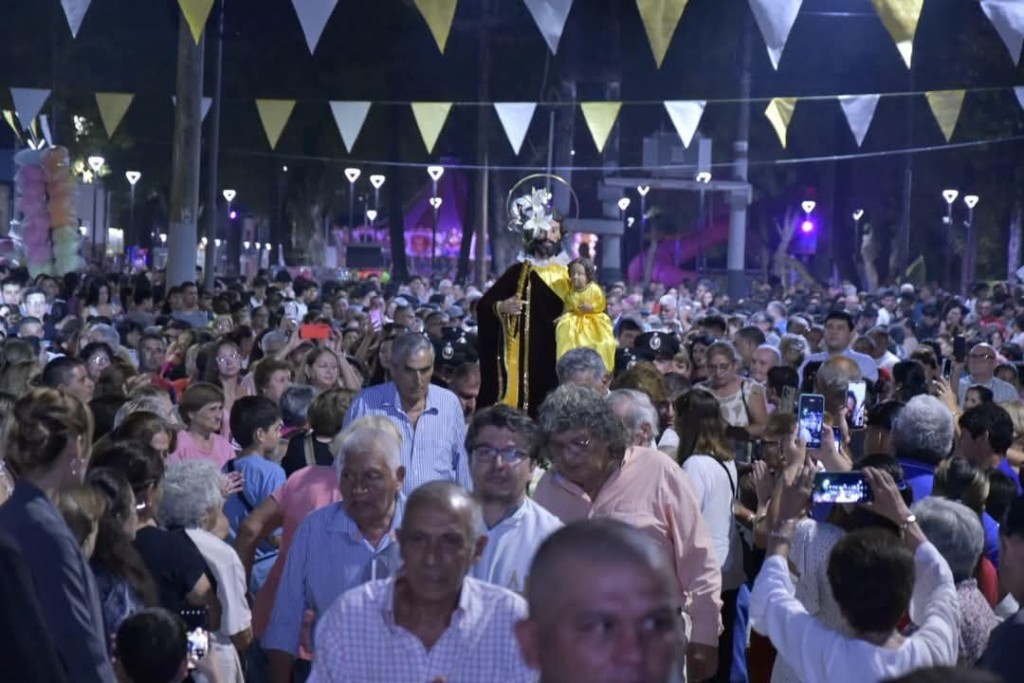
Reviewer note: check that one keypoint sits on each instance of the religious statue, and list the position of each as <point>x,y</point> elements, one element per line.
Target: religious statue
<point>516,316</point>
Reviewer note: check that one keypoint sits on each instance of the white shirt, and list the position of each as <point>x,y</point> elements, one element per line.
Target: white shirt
<point>232,586</point>
<point>1002,391</point>
<point>511,545</point>
<point>888,360</point>
<point>358,640</point>
<point>818,654</point>
<point>867,365</point>
<point>715,482</point>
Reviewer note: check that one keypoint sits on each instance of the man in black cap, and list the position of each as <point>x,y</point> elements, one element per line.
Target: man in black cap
<point>452,348</point>
<point>659,348</point>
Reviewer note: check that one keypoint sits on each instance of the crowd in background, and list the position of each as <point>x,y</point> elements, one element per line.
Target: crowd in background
<point>288,479</point>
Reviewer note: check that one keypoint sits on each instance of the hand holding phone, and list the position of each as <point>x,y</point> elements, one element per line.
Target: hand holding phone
<point>811,416</point>
<point>315,331</point>
<point>198,645</point>
<point>959,348</point>
<point>840,487</point>
<point>856,398</point>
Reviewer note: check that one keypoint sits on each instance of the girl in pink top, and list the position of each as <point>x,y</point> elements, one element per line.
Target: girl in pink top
<point>202,410</point>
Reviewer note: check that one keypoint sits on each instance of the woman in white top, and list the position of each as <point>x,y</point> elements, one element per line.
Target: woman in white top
<point>706,457</point>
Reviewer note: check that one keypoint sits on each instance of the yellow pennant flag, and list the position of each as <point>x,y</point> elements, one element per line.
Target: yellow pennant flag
<point>274,114</point>
<point>779,113</point>
<point>196,13</point>
<point>439,15</point>
<point>660,19</point>
<point>946,106</point>
<point>600,118</point>
<point>430,118</point>
<point>9,118</point>
<point>900,18</point>
<point>113,106</point>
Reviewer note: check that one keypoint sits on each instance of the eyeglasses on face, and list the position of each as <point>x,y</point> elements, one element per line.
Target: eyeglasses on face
<point>223,360</point>
<point>576,446</point>
<point>489,454</point>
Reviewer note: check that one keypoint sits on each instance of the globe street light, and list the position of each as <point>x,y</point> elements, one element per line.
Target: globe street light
<point>435,173</point>
<point>133,177</point>
<point>96,164</point>
<point>967,274</point>
<point>376,181</point>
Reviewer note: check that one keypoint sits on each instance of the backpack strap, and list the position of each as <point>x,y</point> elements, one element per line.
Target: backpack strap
<point>307,448</point>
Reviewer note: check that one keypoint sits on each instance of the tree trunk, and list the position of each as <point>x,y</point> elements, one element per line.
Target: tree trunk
<point>181,237</point>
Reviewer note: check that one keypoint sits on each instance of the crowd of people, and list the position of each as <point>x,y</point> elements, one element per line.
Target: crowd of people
<point>283,479</point>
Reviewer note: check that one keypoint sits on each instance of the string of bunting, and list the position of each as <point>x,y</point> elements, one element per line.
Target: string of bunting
<point>775,19</point>
<point>516,117</point>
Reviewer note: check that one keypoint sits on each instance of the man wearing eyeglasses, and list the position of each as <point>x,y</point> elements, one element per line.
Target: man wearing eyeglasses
<point>981,365</point>
<point>502,447</point>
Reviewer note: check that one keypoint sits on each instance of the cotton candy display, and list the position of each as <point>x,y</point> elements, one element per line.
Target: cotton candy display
<point>47,225</point>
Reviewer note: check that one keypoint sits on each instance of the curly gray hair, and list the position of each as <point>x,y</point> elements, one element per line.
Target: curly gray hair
<point>578,361</point>
<point>923,430</point>
<point>637,411</point>
<point>956,532</point>
<point>191,491</point>
<point>570,407</point>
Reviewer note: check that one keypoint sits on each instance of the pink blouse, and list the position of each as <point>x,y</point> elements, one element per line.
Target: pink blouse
<point>189,449</point>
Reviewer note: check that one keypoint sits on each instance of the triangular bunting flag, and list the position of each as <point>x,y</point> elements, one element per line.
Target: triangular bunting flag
<point>779,113</point>
<point>430,117</point>
<point>313,15</point>
<point>349,118</point>
<point>274,114</point>
<point>1019,92</point>
<point>900,18</point>
<point>1008,18</point>
<point>113,106</point>
<point>775,18</point>
<point>685,117</point>
<point>196,13</point>
<point>75,11</point>
<point>550,16</point>
<point>439,15</point>
<point>600,118</point>
<point>660,19</point>
<point>860,111</point>
<point>207,101</point>
<point>9,118</point>
<point>28,102</point>
<point>515,119</point>
<point>946,105</point>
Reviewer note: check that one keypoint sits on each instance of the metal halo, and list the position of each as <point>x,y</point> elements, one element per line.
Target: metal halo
<point>547,176</point>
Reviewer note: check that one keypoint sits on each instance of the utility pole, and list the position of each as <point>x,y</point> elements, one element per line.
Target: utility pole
<point>738,199</point>
<point>188,118</point>
<point>484,176</point>
<point>212,215</point>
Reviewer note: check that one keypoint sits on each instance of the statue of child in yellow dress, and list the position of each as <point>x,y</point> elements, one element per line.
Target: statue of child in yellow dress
<point>584,322</point>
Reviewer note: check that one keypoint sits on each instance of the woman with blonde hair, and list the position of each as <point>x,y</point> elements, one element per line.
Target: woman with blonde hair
<point>741,400</point>
<point>324,369</point>
<point>16,379</point>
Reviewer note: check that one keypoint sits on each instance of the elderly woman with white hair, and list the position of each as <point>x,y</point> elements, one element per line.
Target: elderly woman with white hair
<point>956,532</point>
<point>922,437</point>
<point>193,501</point>
<point>340,546</point>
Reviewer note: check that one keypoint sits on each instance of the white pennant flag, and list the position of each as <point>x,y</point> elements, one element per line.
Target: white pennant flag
<point>1008,18</point>
<point>313,15</point>
<point>550,16</point>
<point>860,112</point>
<point>775,18</point>
<point>28,102</point>
<point>515,119</point>
<point>75,11</point>
<point>1019,92</point>
<point>685,115</point>
<point>349,117</point>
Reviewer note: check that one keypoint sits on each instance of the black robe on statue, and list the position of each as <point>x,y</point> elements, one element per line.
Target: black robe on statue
<point>529,338</point>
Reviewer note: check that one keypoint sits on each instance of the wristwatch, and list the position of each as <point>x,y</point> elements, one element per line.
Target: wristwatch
<point>910,519</point>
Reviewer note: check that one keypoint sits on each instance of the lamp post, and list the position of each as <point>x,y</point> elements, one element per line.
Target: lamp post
<point>133,177</point>
<point>352,174</point>
<point>642,190</point>
<point>949,196</point>
<point>624,203</point>
<point>371,216</point>
<point>229,197</point>
<point>967,274</point>
<point>95,163</point>
<point>435,173</point>
<point>377,181</point>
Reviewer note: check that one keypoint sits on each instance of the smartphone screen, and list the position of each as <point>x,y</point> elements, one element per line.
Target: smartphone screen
<point>947,368</point>
<point>856,396</point>
<point>811,414</point>
<point>198,644</point>
<point>315,331</point>
<point>840,487</point>
<point>959,348</point>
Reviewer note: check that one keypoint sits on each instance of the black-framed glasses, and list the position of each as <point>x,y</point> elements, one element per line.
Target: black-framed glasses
<point>489,454</point>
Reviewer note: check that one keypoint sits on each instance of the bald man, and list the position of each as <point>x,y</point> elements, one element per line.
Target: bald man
<point>431,622</point>
<point>604,607</point>
<point>981,366</point>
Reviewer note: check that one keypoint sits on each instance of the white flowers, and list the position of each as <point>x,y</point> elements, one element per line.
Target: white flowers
<point>532,214</point>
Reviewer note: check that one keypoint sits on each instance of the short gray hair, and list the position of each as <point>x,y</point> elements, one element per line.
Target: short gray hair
<point>571,407</point>
<point>775,352</point>
<point>956,532</point>
<point>273,341</point>
<point>580,360</point>
<point>923,430</point>
<point>407,344</point>
<point>191,490</point>
<point>148,404</point>
<point>105,333</point>
<point>448,495</point>
<point>639,411</point>
<point>295,404</point>
<point>367,434</point>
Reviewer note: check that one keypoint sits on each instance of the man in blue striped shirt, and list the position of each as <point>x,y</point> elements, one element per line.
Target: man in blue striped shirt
<point>429,418</point>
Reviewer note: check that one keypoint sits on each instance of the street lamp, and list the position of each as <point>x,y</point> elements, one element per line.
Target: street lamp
<point>95,163</point>
<point>623,204</point>
<point>371,216</point>
<point>376,181</point>
<point>229,197</point>
<point>967,274</point>
<point>435,173</point>
<point>133,177</point>
<point>949,196</point>
<point>642,190</point>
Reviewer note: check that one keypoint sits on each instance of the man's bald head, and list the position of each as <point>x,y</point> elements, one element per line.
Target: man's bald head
<point>449,497</point>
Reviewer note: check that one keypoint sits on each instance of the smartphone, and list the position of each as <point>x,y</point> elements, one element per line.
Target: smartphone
<point>810,376</point>
<point>315,331</point>
<point>840,487</point>
<point>376,319</point>
<point>198,644</point>
<point>811,414</point>
<point>947,369</point>
<point>788,404</point>
<point>960,348</point>
<point>856,396</point>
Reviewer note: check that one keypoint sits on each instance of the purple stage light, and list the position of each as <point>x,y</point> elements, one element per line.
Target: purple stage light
<point>233,215</point>
<point>807,227</point>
